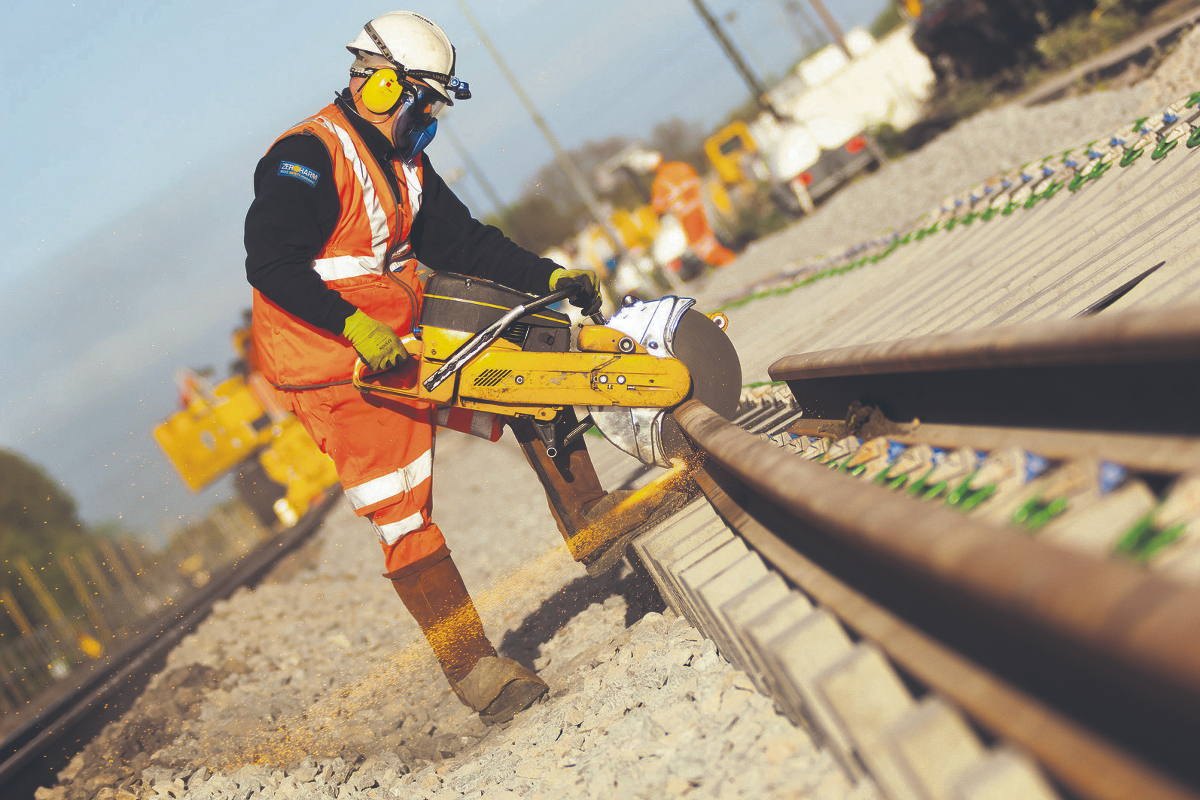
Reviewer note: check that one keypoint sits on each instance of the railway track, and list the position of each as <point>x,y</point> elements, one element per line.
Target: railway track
<point>966,559</point>
<point>823,559</point>
<point>31,755</point>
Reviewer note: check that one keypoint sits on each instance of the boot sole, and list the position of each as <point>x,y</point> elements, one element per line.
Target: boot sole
<point>512,700</point>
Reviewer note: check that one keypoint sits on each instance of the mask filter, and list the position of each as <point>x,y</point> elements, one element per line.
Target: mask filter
<point>417,141</point>
<point>416,122</point>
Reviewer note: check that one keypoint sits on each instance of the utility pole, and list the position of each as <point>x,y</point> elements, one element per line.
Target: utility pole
<point>831,25</point>
<point>578,182</point>
<point>735,57</point>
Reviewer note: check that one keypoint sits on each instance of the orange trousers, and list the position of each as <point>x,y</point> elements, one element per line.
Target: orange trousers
<point>383,451</point>
<point>702,239</point>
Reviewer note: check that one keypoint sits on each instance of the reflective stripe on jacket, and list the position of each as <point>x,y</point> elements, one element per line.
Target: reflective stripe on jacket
<point>366,259</point>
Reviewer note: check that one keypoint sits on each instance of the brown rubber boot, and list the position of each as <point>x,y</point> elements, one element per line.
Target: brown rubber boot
<point>500,688</point>
<point>433,592</point>
<point>595,524</point>
<point>570,480</point>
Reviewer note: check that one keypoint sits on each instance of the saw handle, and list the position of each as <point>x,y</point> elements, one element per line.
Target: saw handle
<point>408,383</point>
<point>550,299</point>
<point>484,338</point>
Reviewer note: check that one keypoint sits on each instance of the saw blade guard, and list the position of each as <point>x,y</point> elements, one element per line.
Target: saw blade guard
<point>646,433</point>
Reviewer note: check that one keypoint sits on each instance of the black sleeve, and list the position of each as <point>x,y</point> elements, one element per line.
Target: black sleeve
<point>293,214</point>
<point>446,237</point>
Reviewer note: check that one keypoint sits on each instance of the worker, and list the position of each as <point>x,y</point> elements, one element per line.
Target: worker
<point>676,191</point>
<point>345,203</point>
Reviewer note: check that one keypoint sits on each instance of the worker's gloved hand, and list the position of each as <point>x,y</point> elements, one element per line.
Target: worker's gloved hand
<point>588,297</point>
<point>378,344</point>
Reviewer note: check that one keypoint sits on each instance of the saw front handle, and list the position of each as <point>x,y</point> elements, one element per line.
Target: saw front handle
<point>407,372</point>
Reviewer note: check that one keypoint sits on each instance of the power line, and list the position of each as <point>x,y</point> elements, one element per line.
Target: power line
<point>578,182</point>
<point>735,57</point>
<point>802,25</point>
<point>477,173</point>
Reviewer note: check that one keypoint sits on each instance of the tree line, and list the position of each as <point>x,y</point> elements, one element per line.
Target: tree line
<point>39,522</point>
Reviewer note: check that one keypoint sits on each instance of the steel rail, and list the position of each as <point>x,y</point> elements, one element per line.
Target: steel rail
<point>1079,758</point>
<point>1169,334</point>
<point>36,737</point>
<point>1137,372</point>
<point>1123,626</point>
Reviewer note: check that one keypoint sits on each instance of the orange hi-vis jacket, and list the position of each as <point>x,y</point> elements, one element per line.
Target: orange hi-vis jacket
<point>676,189</point>
<point>366,260</point>
<point>382,448</point>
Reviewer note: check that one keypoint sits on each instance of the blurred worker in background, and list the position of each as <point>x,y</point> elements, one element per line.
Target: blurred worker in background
<point>345,204</point>
<point>676,191</point>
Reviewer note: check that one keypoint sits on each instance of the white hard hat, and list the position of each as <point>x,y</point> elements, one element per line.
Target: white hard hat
<point>418,45</point>
<point>646,160</point>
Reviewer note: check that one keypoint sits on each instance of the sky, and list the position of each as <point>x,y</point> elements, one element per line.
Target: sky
<point>133,128</point>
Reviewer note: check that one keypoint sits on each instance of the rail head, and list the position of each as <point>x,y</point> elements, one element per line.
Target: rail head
<point>1160,335</point>
<point>1126,620</point>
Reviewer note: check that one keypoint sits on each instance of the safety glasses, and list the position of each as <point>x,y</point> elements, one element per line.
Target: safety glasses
<point>426,100</point>
<point>416,122</point>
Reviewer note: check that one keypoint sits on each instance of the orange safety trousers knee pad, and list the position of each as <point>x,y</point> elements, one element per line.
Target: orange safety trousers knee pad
<point>383,451</point>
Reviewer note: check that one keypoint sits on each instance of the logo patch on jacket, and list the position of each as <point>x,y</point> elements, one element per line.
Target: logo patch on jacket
<point>290,170</point>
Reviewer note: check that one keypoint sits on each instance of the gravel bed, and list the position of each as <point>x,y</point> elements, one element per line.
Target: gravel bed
<point>318,683</point>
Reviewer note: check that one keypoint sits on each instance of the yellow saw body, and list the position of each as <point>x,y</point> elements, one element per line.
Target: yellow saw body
<point>483,347</point>
<point>504,379</point>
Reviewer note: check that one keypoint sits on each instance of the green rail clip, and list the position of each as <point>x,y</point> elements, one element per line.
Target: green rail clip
<point>1037,512</point>
<point>960,491</point>
<point>1130,157</point>
<point>975,498</point>
<point>1164,147</point>
<point>1046,194</point>
<point>1143,540</point>
<point>919,484</point>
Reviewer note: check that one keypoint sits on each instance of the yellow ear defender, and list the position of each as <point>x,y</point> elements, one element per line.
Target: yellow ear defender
<point>382,91</point>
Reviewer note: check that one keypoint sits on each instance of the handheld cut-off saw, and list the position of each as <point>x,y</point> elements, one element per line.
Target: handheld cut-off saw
<point>484,347</point>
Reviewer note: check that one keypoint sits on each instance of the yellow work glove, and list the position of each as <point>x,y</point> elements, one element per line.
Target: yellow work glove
<point>378,344</point>
<point>588,297</point>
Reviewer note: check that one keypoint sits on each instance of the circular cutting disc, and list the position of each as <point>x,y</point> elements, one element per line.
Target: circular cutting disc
<point>716,374</point>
